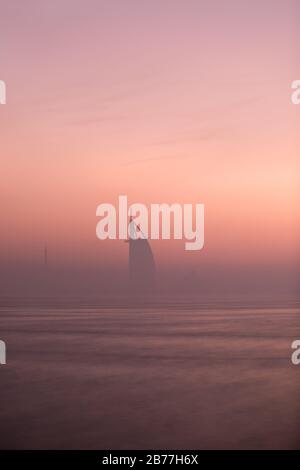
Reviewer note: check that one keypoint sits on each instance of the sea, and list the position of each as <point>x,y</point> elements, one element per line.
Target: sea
<point>149,375</point>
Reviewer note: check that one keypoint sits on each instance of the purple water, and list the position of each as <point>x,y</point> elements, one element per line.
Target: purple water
<point>160,377</point>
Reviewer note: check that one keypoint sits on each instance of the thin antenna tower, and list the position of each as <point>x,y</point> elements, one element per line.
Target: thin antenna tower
<point>46,255</point>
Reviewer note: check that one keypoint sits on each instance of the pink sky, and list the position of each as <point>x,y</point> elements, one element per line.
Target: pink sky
<point>163,101</point>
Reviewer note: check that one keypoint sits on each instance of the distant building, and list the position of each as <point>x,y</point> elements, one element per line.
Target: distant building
<point>142,271</point>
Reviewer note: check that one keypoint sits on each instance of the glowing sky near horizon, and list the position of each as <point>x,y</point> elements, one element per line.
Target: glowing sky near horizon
<point>162,101</point>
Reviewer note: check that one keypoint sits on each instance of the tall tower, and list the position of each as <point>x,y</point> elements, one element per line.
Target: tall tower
<point>142,270</point>
<point>45,255</point>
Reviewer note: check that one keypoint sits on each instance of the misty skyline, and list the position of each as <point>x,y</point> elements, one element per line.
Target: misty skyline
<point>162,102</point>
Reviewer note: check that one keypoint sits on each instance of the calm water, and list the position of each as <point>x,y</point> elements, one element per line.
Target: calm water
<point>194,376</point>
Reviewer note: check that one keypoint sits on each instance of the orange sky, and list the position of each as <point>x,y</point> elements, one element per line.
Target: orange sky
<point>176,102</point>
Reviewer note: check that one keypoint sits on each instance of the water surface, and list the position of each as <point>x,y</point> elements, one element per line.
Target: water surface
<point>169,376</point>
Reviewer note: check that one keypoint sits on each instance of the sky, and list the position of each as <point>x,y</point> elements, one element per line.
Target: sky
<point>171,101</point>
